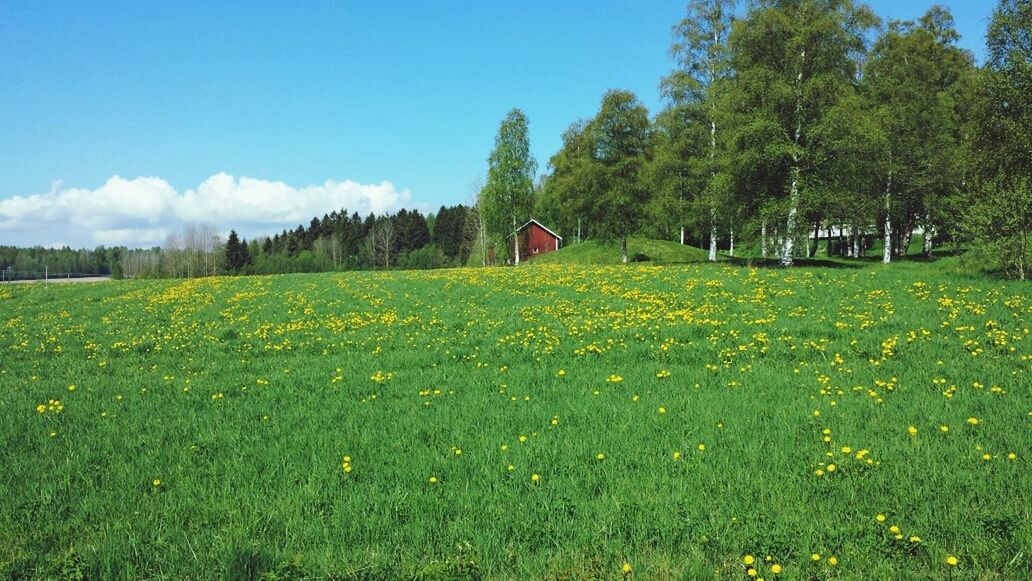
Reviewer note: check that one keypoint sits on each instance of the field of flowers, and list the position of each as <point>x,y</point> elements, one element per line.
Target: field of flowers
<point>550,421</point>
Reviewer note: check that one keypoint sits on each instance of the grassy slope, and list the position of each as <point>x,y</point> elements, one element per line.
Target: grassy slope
<point>597,252</point>
<point>243,395</point>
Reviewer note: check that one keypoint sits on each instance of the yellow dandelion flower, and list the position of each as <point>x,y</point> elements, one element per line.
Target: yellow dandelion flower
<point>952,561</point>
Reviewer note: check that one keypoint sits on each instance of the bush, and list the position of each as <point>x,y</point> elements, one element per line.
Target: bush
<point>425,258</point>
<point>639,257</point>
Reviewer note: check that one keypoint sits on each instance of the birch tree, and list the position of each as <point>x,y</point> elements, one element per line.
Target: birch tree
<point>702,56</point>
<point>509,191</point>
<point>910,77</point>
<point>621,135</point>
<point>1000,218</point>
<point>793,62</point>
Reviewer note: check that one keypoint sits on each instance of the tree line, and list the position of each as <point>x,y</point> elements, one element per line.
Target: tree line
<point>337,241</point>
<point>794,125</point>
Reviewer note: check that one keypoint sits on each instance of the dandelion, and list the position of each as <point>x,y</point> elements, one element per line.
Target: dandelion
<point>433,480</point>
<point>702,447</point>
<point>676,455</point>
<point>748,559</point>
<point>1012,456</point>
<point>662,410</point>
<point>626,568</point>
<point>155,483</point>
<point>912,430</point>
<point>833,560</point>
<point>600,456</point>
<point>815,557</point>
<point>880,518</point>
<point>952,561</point>
<point>775,568</point>
<point>535,478</point>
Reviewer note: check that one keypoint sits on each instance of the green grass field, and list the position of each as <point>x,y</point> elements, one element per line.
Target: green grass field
<point>598,252</point>
<point>544,421</point>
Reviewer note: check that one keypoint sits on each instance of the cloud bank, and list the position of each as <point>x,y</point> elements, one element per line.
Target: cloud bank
<point>141,212</point>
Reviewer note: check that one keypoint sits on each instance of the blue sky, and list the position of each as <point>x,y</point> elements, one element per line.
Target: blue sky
<point>294,94</point>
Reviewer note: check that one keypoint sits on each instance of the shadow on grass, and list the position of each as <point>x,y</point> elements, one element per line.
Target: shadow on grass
<point>809,262</point>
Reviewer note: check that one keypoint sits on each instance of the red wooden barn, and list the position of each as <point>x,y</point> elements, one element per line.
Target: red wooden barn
<point>534,239</point>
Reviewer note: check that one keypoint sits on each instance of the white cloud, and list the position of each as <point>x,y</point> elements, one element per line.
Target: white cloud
<point>142,211</point>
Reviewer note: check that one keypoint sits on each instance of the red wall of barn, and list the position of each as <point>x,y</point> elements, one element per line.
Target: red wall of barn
<point>534,237</point>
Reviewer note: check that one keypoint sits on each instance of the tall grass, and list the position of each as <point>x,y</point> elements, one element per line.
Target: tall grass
<point>202,426</point>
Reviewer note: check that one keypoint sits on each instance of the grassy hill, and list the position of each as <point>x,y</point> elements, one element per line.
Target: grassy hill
<point>598,252</point>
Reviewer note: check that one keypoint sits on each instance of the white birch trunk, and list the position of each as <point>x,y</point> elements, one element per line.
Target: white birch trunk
<point>623,248</point>
<point>516,241</point>
<point>682,234</point>
<point>713,236</point>
<point>887,251</point>
<point>793,191</point>
<point>927,235</point>
<point>731,250</point>
<point>793,203</point>
<point>763,239</point>
<point>713,206</point>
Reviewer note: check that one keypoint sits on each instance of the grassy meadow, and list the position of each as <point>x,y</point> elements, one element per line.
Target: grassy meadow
<point>556,421</point>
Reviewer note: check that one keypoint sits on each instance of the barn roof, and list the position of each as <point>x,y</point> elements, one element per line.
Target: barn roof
<point>543,227</point>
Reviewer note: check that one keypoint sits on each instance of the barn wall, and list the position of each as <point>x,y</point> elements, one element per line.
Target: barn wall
<point>531,238</point>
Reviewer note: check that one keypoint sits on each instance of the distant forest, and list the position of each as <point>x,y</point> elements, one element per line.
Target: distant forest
<point>337,241</point>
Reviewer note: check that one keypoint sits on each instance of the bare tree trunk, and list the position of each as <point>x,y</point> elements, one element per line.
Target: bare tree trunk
<point>731,250</point>
<point>623,248</point>
<point>682,234</point>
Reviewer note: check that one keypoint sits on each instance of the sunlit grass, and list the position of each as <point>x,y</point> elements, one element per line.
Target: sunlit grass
<point>515,422</point>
